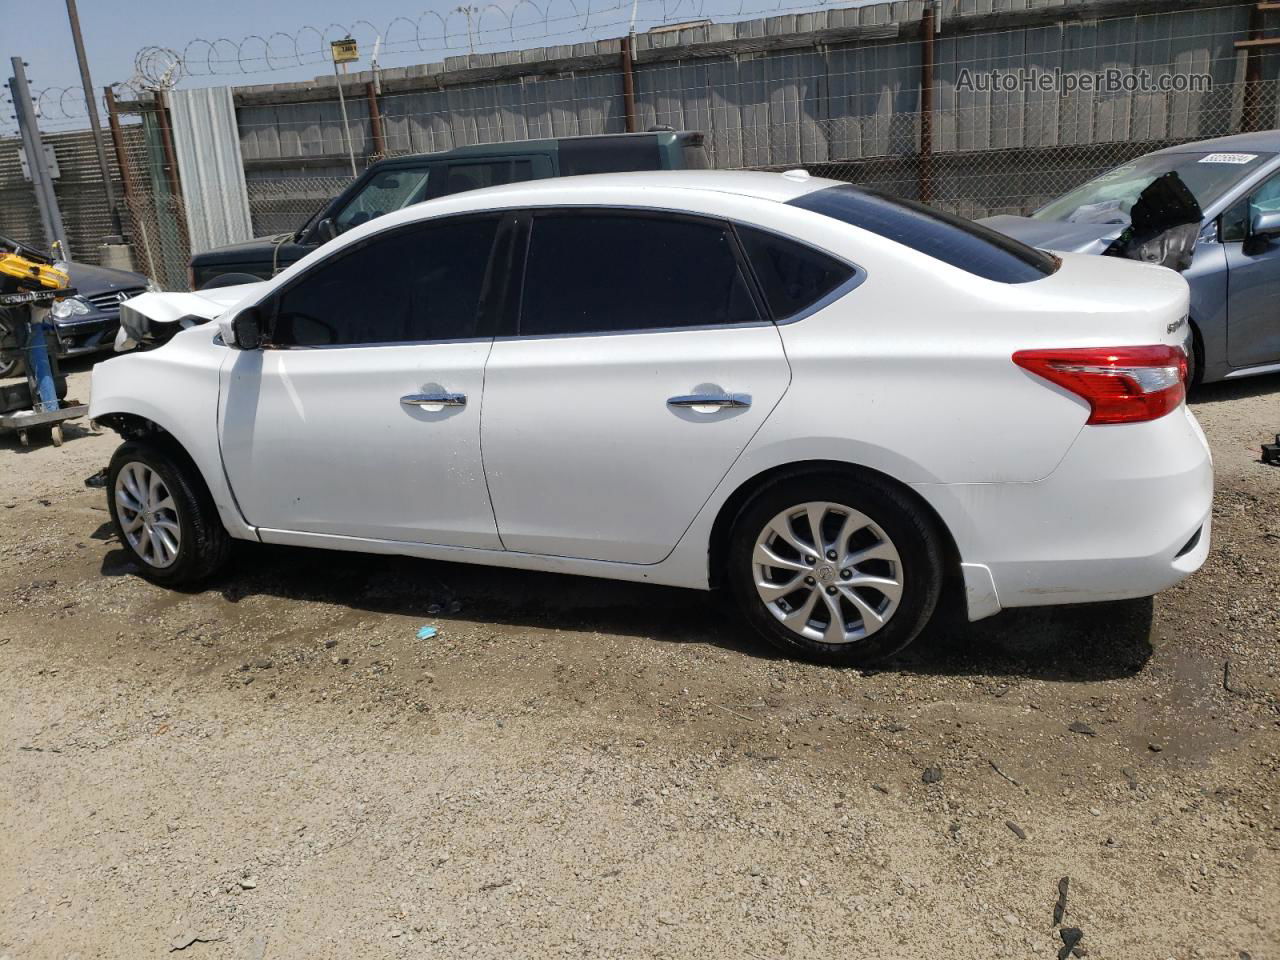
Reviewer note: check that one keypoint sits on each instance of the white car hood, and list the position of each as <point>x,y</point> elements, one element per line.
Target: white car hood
<point>206,304</point>
<point>187,308</point>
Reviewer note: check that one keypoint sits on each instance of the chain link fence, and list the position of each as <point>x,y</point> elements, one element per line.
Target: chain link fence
<point>86,217</point>
<point>973,181</point>
<point>849,113</point>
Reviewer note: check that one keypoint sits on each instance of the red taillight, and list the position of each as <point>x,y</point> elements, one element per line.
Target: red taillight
<point>1121,384</point>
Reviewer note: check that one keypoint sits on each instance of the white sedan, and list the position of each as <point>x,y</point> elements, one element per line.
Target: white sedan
<point>829,402</point>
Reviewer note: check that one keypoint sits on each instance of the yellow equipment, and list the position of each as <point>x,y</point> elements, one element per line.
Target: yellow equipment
<point>19,273</point>
<point>29,285</point>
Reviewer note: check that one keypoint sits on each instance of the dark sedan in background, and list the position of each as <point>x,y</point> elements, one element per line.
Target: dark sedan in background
<point>85,323</point>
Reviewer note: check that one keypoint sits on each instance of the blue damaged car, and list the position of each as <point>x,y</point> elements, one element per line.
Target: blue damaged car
<point>1224,197</point>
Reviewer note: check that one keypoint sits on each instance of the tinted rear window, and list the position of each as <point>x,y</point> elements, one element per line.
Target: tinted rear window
<point>962,243</point>
<point>793,276</point>
<point>608,155</point>
<point>608,272</point>
<point>460,177</point>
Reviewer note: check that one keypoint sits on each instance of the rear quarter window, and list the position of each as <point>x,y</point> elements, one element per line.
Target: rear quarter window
<point>579,155</point>
<point>793,276</point>
<point>972,247</point>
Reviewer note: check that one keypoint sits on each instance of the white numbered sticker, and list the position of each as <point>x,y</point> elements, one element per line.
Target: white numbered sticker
<point>1229,158</point>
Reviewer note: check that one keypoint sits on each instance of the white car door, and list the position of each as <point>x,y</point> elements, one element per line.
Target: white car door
<point>361,417</point>
<point>640,369</point>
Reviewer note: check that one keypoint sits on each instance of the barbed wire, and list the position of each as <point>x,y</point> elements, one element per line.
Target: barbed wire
<point>461,29</point>
<point>476,28</point>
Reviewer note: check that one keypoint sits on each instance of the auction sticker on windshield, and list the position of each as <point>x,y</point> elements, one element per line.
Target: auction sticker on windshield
<point>1229,158</point>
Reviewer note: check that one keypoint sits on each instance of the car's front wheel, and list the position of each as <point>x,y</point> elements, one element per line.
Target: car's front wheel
<point>163,513</point>
<point>835,568</point>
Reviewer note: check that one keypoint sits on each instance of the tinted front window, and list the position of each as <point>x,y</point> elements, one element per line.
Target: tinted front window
<point>604,272</point>
<point>384,192</point>
<point>608,155</point>
<point>418,283</point>
<point>459,177</point>
<point>792,276</point>
<point>961,243</point>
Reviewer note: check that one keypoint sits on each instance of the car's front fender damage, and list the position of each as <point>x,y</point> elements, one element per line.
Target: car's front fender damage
<point>151,319</point>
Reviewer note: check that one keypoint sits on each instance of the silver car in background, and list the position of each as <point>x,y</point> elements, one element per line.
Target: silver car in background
<point>1234,271</point>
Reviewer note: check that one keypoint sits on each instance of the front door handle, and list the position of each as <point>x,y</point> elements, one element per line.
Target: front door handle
<point>434,400</point>
<point>722,400</point>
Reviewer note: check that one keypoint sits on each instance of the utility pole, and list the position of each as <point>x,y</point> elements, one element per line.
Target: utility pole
<point>33,146</point>
<point>95,127</point>
<point>343,52</point>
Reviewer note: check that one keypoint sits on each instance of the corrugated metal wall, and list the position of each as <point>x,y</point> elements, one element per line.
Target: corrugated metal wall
<point>833,102</point>
<point>207,146</point>
<point>837,91</point>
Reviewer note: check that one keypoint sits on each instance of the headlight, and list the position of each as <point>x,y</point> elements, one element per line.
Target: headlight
<point>153,287</point>
<point>69,307</point>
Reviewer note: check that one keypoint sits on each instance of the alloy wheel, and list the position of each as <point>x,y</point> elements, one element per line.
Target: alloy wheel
<point>827,572</point>
<point>148,514</point>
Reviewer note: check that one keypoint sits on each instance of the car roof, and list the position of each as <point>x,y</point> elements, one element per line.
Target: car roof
<point>779,187</point>
<point>1261,141</point>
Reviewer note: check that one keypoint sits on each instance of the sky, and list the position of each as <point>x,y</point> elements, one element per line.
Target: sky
<point>257,41</point>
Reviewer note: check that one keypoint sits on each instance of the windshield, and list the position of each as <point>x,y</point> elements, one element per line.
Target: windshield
<point>1208,175</point>
<point>383,193</point>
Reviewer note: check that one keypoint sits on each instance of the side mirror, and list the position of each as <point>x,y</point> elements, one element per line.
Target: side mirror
<point>326,230</point>
<point>1266,223</point>
<point>246,328</point>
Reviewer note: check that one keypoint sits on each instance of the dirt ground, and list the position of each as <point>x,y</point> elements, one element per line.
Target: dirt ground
<point>276,766</point>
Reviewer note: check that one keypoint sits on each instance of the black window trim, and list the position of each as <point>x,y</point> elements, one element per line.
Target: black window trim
<point>488,308</point>
<point>509,325</point>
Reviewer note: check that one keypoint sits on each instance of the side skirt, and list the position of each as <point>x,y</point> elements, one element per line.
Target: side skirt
<point>659,573</point>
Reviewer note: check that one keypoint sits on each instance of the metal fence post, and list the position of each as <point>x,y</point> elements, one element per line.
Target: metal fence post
<point>926,104</point>
<point>50,216</point>
<point>628,84</point>
<point>346,127</point>
<point>375,120</point>
<point>95,125</point>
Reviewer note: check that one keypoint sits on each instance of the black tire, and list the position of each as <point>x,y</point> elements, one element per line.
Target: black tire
<point>1195,361</point>
<point>11,364</point>
<point>909,527</point>
<point>203,545</point>
<point>229,280</point>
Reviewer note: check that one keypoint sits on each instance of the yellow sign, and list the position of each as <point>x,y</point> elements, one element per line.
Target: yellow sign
<point>344,51</point>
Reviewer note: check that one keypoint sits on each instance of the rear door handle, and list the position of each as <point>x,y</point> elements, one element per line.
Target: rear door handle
<point>434,400</point>
<point>722,400</point>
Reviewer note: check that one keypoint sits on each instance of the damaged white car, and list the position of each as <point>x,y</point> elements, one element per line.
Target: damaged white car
<point>827,401</point>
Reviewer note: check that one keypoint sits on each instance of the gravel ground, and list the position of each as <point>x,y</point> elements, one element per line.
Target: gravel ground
<point>276,766</point>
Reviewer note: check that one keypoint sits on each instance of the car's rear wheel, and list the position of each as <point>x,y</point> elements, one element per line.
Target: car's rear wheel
<point>163,513</point>
<point>1195,360</point>
<point>835,568</point>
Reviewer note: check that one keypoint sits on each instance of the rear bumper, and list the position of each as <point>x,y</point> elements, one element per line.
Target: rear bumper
<point>1126,514</point>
